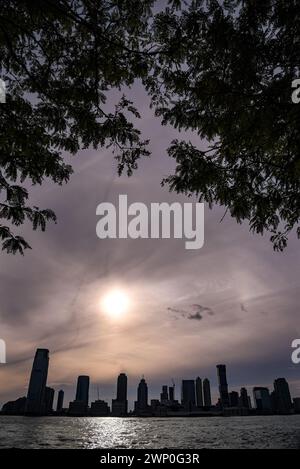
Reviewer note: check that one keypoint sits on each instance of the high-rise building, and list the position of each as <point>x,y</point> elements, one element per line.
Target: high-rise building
<point>244,398</point>
<point>234,399</point>
<point>188,397</point>
<point>60,401</point>
<point>206,393</point>
<point>199,394</point>
<point>81,403</point>
<point>262,399</point>
<point>141,405</point>
<point>223,386</point>
<point>49,398</point>
<point>164,396</point>
<point>119,405</point>
<point>282,396</point>
<point>122,387</point>
<point>171,393</point>
<point>82,390</point>
<point>35,404</point>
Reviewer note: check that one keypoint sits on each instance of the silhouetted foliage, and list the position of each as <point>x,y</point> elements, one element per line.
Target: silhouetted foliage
<point>221,69</point>
<point>59,60</point>
<point>228,76</point>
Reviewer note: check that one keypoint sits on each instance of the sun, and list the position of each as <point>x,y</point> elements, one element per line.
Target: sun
<point>115,303</point>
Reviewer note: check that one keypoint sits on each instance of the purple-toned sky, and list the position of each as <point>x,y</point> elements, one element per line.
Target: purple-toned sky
<point>248,296</point>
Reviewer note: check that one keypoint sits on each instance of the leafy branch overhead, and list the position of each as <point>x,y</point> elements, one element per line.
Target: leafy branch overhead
<point>220,69</point>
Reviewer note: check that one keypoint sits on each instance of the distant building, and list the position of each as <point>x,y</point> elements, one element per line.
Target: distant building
<point>188,397</point>
<point>223,386</point>
<point>235,411</point>
<point>120,404</point>
<point>16,407</point>
<point>282,396</point>
<point>60,401</point>
<point>234,399</point>
<point>77,408</point>
<point>35,404</point>
<point>118,408</point>
<point>171,393</point>
<point>199,393</point>
<point>206,393</point>
<point>49,398</point>
<point>262,399</point>
<point>296,405</point>
<point>122,387</point>
<point>244,398</point>
<point>82,390</point>
<point>99,409</point>
<point>155,403</point>
<point>141,405</point>
<point>164,396</point>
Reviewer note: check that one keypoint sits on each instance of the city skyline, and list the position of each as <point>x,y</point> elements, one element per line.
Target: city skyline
<point>195,394</point>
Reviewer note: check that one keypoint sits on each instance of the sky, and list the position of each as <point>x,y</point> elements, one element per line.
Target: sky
<point>234,301</point>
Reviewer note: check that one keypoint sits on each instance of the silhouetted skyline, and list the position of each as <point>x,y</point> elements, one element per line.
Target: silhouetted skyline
<point>195,398</point>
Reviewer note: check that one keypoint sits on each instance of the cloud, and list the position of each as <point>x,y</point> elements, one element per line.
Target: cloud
<point>192,312</point>
<point>203,309</point>
<point>197,316</point>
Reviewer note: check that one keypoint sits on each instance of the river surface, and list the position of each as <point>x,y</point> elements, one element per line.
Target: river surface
<point>110,432</point>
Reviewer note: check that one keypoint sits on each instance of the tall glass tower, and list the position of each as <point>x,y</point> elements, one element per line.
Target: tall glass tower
<point>82,390</point>
<point>35,403</point>
<point>206,393</point>
<point>223,386</point>
<point>120,405</point>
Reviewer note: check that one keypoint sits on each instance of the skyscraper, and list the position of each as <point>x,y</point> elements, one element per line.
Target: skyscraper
<point>282,396</point>
<point>223,386</point>
<point>82,390</point>
<point>171,393</point>
<point>262,399</point>
<point>199,394</point>
<point>141,405</point>
<point>234,399</point>
<point>81,403</point>
<point>164,396</point>
<point>122,387</point>
<point>206,393</point>
<point>244,398</point>
<point>188,398</point>
<point>60,401</point>
<point>49,398</point>
<point>119,405</point>
<point>35,404</point>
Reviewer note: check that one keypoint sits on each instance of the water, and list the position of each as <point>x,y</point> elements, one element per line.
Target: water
<point>192,433</point>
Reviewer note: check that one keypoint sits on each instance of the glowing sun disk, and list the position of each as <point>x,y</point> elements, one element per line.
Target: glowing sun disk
<point>115,303</point>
